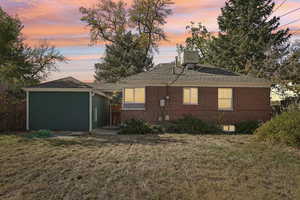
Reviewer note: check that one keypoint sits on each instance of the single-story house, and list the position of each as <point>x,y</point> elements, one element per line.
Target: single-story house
<point>66,104</point>
<point>172,90</point>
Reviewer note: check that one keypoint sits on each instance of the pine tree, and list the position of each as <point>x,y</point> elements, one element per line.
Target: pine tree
<point>247,34</point>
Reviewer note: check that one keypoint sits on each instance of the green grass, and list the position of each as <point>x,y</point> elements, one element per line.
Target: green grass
<point>40,134</point>
<point>147,167</point>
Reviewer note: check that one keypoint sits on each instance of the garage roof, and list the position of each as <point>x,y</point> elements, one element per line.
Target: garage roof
<point>68,82</point>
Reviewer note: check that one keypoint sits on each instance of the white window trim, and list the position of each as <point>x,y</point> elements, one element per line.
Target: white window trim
<point>134,109</point>
<point>27,110</point>
<point>90,111</point>
<point>189,104</point>
<point>123,96</point>
<point>226,109</point>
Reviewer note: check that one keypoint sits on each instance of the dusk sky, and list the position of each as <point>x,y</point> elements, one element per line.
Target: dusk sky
<point>58,21</point>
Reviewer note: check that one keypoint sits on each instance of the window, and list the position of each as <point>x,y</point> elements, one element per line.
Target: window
<point>190,96</point>
<point>134,95</point>
<point>228,128</point>
<point>225,99</point>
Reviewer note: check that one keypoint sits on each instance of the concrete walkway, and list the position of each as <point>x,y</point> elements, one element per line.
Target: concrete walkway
<point>68,134</point>
<point>101,131</point>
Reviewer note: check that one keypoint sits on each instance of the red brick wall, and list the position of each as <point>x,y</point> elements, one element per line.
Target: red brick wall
<point>248,104</point>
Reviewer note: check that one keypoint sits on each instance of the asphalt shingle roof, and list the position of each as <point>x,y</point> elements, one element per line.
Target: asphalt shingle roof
<point>164,74</point>
<point>68,82</point>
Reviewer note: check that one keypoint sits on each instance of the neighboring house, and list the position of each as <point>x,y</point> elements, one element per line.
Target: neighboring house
<point>169,92</point>
<point>66,104</point>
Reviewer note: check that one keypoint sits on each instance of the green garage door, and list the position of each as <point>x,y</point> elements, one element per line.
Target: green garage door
<point>67,111</point>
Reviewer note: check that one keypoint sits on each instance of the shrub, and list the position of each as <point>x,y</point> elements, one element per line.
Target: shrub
<point>157,129</point>
<point>192,125</point>
<point>40,134</point>
<point>135,126</point>
<point>284,128</point>
<point>246,127</point>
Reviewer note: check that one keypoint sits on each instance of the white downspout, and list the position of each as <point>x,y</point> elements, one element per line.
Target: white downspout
<point>110,115</point>
<point>27,110</point>
<point>91,109</point>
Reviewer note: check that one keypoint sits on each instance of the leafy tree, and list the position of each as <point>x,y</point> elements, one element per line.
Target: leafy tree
<point>122,59</point>
<point>148,17</point>
<point>200,40</point>
<point>107,20</point>
<point>283,68</point>
<point>141,28</point>
<point>21,65</point>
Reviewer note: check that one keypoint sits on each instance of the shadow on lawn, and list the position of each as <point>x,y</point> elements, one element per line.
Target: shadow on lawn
<point>100,141</point>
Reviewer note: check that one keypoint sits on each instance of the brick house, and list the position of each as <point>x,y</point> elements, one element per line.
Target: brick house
<point>170,91</point>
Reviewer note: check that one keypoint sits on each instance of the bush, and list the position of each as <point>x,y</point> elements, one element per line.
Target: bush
<point>157,129</point>
<point>40,134</point>
<point>284,128</point>
<point>135,126</point>
<point>246,127</point>
<point>192,125</point>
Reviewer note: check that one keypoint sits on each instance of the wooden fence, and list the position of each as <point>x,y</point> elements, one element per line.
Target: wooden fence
<point>14,117</point>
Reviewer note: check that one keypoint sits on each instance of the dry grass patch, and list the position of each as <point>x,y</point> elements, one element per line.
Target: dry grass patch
<point>147,167</point>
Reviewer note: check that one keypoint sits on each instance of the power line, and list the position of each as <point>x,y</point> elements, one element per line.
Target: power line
<point>283,2</point>
<point>285,14</point>
<point>294,21</point>
<point>290,12</point>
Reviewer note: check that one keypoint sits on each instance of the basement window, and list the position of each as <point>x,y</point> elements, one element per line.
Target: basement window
<point>228,128</point>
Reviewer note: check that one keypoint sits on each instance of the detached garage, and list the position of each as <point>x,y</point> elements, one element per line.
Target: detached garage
<point>66,105</point>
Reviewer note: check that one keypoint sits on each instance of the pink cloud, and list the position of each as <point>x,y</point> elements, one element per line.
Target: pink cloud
<point>61,42</point>
<point>45,30</point>
<point>85,57</point>
<point>59,20</point>
<point>187,7</point>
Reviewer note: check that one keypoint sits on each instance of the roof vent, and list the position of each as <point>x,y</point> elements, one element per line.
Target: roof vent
<point>188,57</point>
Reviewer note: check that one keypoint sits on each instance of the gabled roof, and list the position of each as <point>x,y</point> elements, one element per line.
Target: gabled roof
<point>68,82</point>
<point>201,75</point>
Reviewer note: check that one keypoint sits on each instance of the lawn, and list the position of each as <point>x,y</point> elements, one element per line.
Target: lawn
<point>147,167</point>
